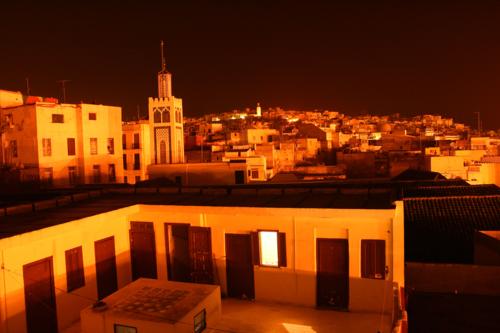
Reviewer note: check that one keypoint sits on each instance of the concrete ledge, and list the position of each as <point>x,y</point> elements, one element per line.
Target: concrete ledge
<point>19,209</point>
<point>45,204</point>
<point>169,190</point>
<point>190,190</point>
<point>80,196</point>
<point>124,190</point>
<point>95,194</point>
<point>146,190</point>
<point>62,201</point>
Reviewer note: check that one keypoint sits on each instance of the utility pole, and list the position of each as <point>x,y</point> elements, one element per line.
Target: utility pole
<point>28,90</point>
<point>479,129</point>
<point>63,88</point>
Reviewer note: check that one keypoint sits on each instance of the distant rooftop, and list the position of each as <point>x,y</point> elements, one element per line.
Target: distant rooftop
<point>441,229</point>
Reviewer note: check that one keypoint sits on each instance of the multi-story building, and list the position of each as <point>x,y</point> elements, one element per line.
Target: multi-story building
<point>63,144</point>
<point>136,150</point>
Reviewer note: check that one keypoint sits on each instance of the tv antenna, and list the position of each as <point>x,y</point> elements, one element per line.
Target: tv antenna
<point>63,88</point>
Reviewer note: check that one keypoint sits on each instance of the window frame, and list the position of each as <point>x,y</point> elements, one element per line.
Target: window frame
<point>73,140</point>
<point>366,272</point>
<point>58,118</point>
<point>96,146</point>
<point>46,147</point>
<point>111,146</point>
<point>278,252</point>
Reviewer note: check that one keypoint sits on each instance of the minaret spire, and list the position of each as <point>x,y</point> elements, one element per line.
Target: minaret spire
<point>163,62</point>
<point>164,77</point>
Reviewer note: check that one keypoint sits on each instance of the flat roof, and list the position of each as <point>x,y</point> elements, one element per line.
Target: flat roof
<point>156,300</point>
<point>11,225</point>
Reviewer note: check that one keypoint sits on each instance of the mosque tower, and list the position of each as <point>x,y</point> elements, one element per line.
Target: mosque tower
<point>165,120</point>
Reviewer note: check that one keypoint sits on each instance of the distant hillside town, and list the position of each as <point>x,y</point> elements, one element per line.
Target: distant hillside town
<point>60,144</point>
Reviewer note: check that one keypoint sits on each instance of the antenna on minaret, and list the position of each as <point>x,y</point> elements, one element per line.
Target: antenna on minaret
<point>163,62</point>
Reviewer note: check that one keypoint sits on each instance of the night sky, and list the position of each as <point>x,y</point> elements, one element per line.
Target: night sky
<point>410,58</point>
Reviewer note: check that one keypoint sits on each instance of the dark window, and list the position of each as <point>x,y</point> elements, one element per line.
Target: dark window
<point>165,116</point>
<point>72,175</point>
<point>124,329</point>
<point>111,146</point>
<point>373,258</point>
<point>125,179</point>
<point>75,276</point>
<point>136,140</point>
<point>137,162</point>
<point>71,147</point>
<point>47,176</point>
<point>124,141</point>
<point>13,148</point>
<point>157,117</point>
<point>269,248</point>
<point>92,116</point>
<point>96,173</point>
<point>124,162</point>
<point>58,118</point>
<point>137,179</point>
<point>93,146</point>
<point>111,173</point>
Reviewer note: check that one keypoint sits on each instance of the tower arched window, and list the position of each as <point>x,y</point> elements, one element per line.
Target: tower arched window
<point>165,116</point>
<point>157,117</point>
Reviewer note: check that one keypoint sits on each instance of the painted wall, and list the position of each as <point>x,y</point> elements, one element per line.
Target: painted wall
<point>54,241</point>
<point>295,284</point>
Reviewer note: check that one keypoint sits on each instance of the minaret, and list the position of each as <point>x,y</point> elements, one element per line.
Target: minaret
<point>166,120</point>
<point>258,111</point>
<point>164,77</point>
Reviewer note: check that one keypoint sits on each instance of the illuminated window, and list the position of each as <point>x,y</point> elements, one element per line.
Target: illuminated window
<point>57,118</point>
<point>92,116</point>
<point>268,246</point>
<point>255,173</point>
<point>93,146</point>
<point>47,147</point>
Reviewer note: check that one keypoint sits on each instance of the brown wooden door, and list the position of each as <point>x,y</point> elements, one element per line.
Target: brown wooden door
<point>332,288</point>
<point>39,296</point>
<point>200,249</point>
<point>177,249</point>
<point>143,250</point>
<point>239,266</point>
<point>105,263</point>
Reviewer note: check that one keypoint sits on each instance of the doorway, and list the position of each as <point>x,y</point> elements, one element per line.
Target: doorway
<point>189,253</point>
<point>239,177</point>
<point>143,250</point>
<point>332,278</point>
<point>39,296</point>
<point>105,263</point>
<point>239,266</point>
